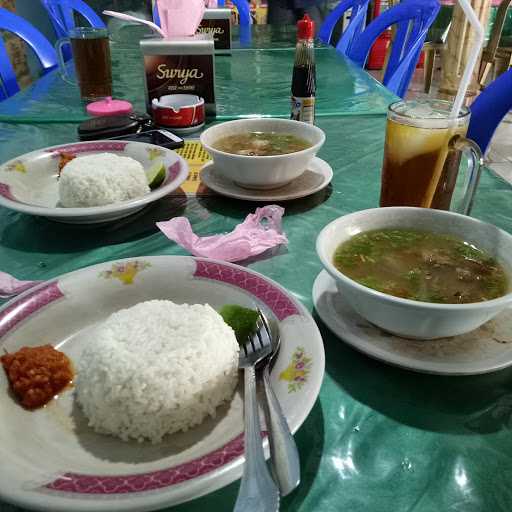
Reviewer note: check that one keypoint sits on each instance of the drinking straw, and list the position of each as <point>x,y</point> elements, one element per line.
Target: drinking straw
<point>127,17</point>
<point>459,98</point>
<point>472,61</point>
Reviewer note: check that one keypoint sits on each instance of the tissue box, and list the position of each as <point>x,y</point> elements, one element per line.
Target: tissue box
<point>217,22</point>
<point>181,65</point>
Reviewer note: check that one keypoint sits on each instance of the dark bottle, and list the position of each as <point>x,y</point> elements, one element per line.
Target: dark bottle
<point>304,73</point>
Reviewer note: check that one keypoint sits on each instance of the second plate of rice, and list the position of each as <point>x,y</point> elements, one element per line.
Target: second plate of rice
<point>88,182</point>
<point>155,416</point>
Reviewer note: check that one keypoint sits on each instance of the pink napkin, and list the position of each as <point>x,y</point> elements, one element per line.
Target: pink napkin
<point>10,286</point>
<point>260,231</point>
<point>180,17</point>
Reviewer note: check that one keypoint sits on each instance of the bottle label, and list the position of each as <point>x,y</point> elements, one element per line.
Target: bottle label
<point>303,109</point>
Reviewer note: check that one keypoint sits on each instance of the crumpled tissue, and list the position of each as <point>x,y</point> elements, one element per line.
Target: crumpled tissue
<point>10,286</point>
<point>180,17</point>
<point>260,231</point>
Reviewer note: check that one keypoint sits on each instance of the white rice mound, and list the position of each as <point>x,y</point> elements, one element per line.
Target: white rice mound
<point>100,179</point>
<point>156,368</point>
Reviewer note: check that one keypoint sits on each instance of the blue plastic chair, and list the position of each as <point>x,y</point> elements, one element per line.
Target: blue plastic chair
<point>62,18</point>
<point>242,6</point>
<point>39,44</point>
<point>156,16</point>
<point>489,109</point>
<point>355,26</point>
<point>413,19</point>
<point>244,13</point>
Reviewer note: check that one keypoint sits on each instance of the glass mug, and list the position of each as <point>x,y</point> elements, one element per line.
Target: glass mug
<point>91,54</point>
<point>422,157</point>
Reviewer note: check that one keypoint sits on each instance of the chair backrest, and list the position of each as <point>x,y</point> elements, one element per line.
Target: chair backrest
<point>62,18</point>
<point>497,29</point>
<point>355,26</point>
<point>489,109</point>
<point>413,19</point>
<point>39,44</point>
<point>156,16</point>
<point>244,12</point>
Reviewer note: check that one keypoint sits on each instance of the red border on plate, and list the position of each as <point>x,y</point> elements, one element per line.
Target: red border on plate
<point>89,146</point>
<point>27,305</point>
<point>5,191</point>
<point>273,297</point>
<point>87,484</point>
<point>173,171</point>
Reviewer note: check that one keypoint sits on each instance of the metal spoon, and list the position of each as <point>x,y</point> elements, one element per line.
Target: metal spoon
<point>283,450</point>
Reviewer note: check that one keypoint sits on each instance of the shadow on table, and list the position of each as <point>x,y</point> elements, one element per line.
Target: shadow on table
<point>236,208</point>
<point>459,405</point>
<point>310,441</point>
<point>36,234</point>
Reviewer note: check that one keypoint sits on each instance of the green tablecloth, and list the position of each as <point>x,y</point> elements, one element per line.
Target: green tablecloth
<point>379,438</point>
<point>248,82</point>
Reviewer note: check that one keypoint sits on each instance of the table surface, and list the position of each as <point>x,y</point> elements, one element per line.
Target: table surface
<point>379,438</point>
<point>248,82</point>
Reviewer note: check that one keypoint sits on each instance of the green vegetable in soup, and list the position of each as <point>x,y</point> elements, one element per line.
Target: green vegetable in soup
<point>423,266</point>
<point>261,144</point>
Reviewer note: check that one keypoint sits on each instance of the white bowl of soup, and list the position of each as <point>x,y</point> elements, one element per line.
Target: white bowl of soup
<point>417,272</point>
<point>262,153</point>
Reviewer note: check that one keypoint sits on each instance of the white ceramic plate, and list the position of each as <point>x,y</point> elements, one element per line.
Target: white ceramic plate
<point>51,460</point>
<point>484,350</point>
<point>29,183</point>
<point>317,177</point>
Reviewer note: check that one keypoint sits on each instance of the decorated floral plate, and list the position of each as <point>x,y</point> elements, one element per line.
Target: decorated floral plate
<point>52,460</point>
<point>29,183</point>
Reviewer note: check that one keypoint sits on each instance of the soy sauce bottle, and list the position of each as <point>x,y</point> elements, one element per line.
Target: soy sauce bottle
<point>304,73</point>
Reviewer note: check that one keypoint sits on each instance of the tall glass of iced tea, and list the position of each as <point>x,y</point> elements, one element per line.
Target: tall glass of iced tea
<point>422,157</point>
<point>91,55</point>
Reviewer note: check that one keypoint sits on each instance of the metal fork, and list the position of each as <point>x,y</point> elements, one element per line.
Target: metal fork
<point>258,491</point>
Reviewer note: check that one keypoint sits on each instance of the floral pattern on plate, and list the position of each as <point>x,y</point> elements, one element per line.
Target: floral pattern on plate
<point>16,166</point>
<point>296,374</point>
<point>125,271</point>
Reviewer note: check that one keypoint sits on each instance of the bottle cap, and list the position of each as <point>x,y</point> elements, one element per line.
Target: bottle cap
<point>109,107</point>
<point>306,28</point>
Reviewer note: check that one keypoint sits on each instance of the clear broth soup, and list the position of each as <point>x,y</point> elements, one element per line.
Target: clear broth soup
<point>423,266</point>
<point>261,144</point>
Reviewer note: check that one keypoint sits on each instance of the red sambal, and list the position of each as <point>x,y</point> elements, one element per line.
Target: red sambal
<point>37,374</point>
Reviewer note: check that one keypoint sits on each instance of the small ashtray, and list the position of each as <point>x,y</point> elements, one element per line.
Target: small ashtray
<point>181,112</point>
